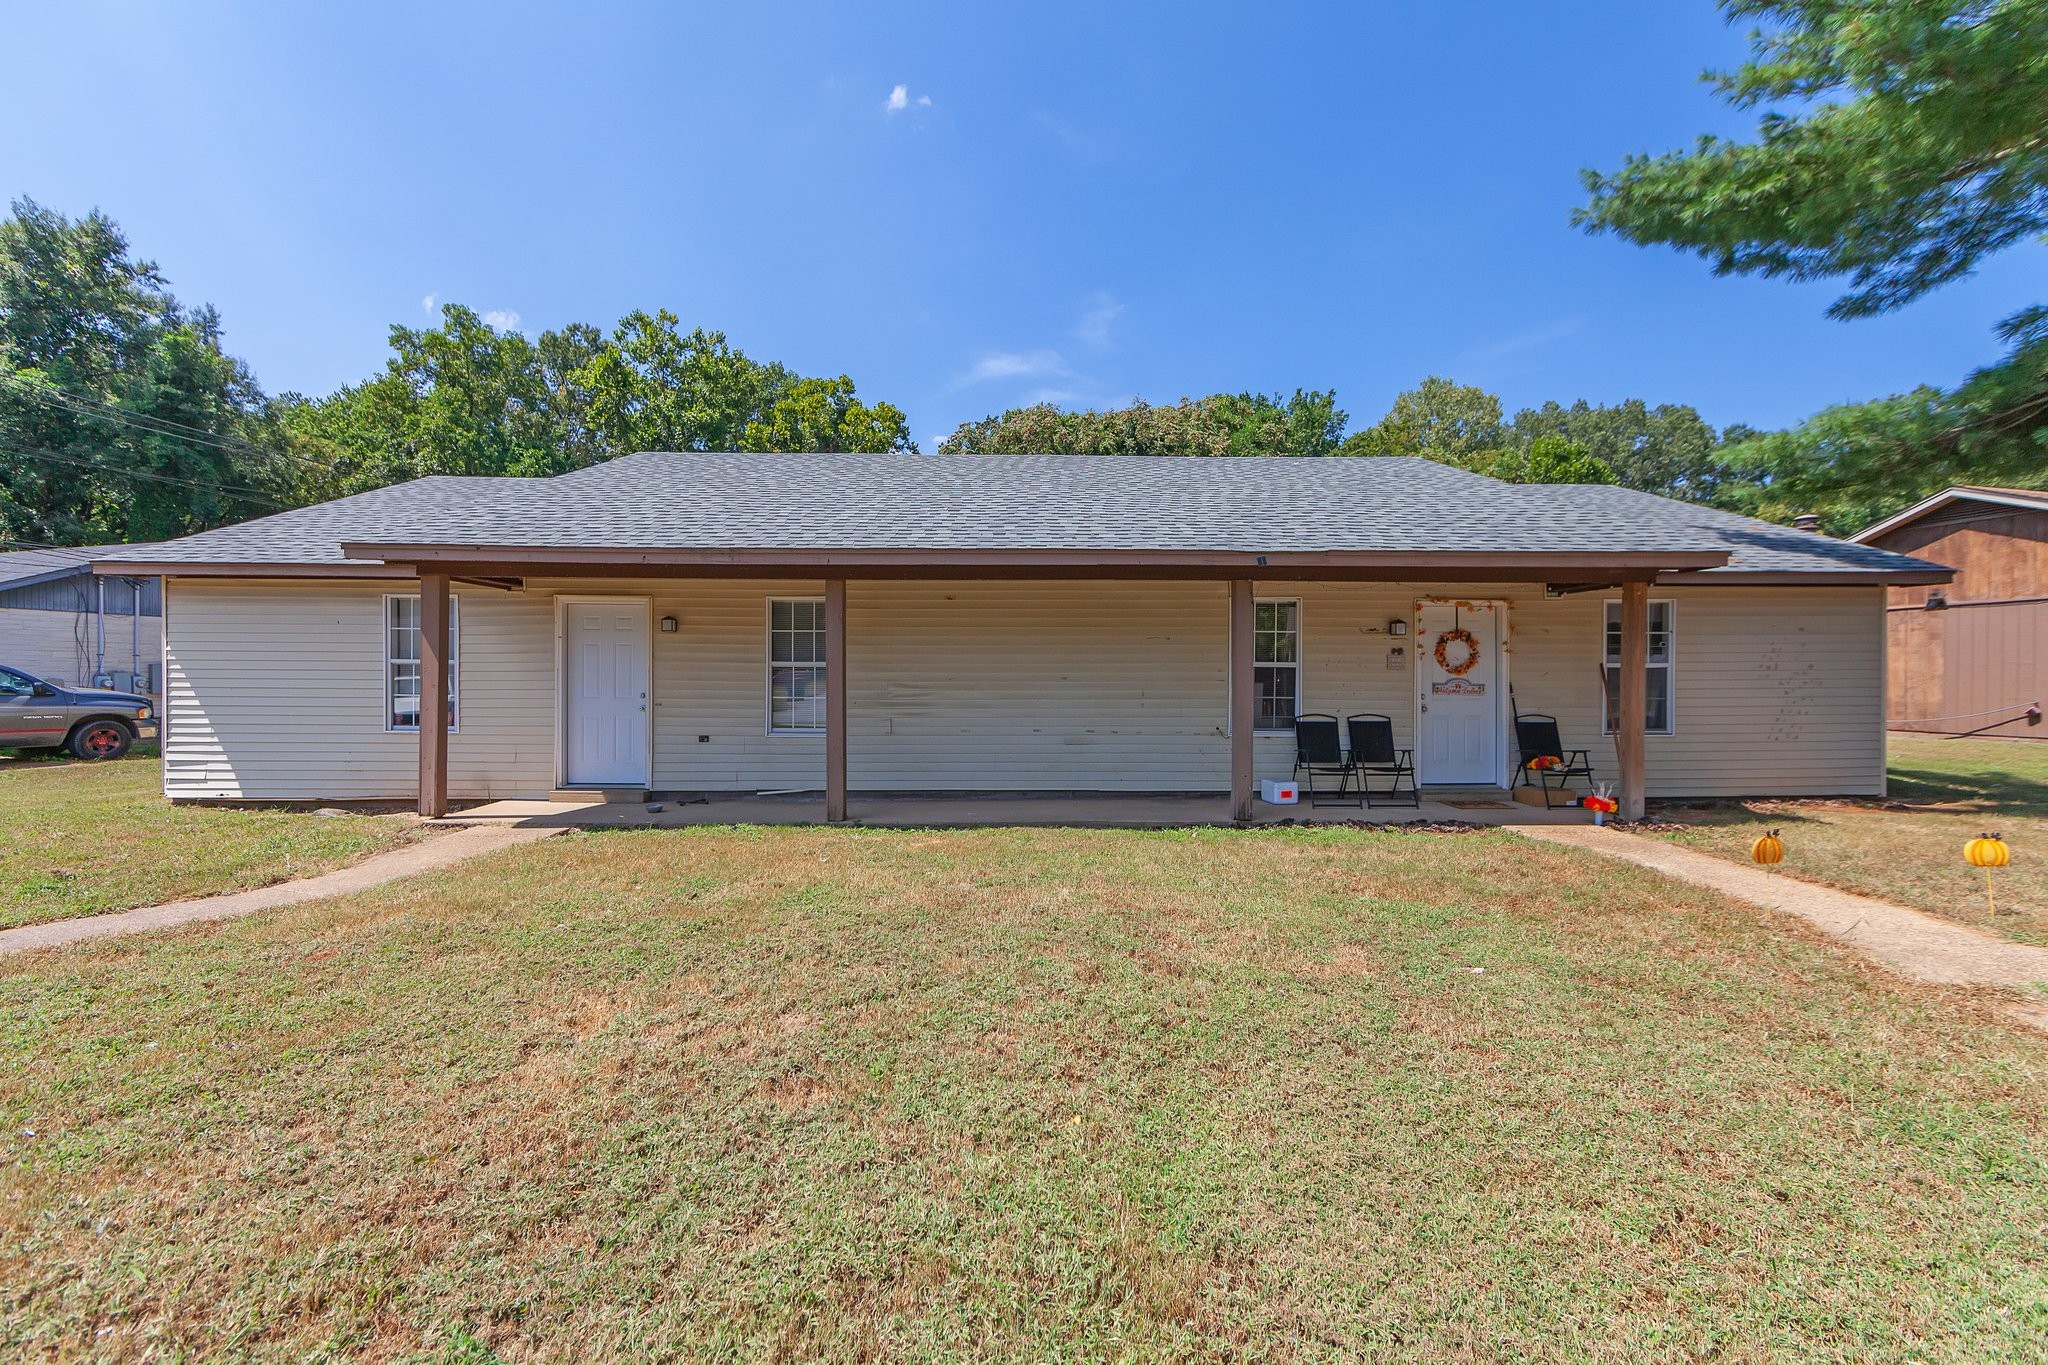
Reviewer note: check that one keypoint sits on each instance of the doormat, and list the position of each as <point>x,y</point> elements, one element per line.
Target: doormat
<point>1479,805</point>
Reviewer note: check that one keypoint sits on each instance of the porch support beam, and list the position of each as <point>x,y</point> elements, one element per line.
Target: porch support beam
<point>433,791</point>
<point>835,699</point>
<point>1635,696</point>
<point>1242,699</point>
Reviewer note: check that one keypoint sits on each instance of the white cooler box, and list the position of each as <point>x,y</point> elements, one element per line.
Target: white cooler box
<point>1280,793</point>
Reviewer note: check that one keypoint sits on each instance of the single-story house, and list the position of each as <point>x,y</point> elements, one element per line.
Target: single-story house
<point>1970,657</point>
<point>60,623</point>
<point>925,623</point>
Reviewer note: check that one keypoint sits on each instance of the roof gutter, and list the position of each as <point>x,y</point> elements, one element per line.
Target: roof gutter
<point>1840,578</point>
<point>172,568</point>
<point>1215,563</point>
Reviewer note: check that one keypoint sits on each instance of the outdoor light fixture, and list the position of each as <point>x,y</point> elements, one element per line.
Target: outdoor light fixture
<point>1397,627</point>
<point>668,625</point>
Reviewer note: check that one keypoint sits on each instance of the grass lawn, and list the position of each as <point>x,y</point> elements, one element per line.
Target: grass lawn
<point>1909,849</point>
<point>1051,1095</point>
<point>83,838</point>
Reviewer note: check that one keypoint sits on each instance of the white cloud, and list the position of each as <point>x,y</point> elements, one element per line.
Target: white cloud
<point>899,100</point>
<point>1014,365</point>
<point>429,303</point>
<point>1093,328</point>
<point>504,319</point>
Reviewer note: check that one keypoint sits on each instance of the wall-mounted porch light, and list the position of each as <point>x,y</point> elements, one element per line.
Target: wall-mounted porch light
<point>668,625</point>
<point>1397,627</point>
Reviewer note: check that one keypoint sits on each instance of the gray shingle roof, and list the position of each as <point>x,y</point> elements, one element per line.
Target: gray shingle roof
<point>656,501</point>
<point>19,568</point>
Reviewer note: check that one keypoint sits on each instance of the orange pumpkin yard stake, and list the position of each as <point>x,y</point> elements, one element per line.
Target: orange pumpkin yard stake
<point>1987,851</point>
<point>1768,851</point>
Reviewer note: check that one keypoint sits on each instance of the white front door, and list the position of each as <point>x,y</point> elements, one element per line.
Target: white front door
<point>604,689</point>
<point>1460,734</point>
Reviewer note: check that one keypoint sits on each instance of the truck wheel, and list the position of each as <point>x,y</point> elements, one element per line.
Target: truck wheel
<point>100,739</point>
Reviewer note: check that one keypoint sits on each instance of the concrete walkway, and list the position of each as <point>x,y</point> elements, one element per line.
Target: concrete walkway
<point>441,851</point>
<point>1915,944</point>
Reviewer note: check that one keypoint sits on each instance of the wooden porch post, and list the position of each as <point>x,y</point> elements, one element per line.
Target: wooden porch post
<point>1243,699</point>
<point>433,695</point>
<point>835,699</point>
<point>1635,696</point>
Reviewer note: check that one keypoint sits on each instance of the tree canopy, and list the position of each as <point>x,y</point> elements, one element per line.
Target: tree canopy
<point>469,398</point>
<point>1439,419</point>
<point>1552,459</point>
<point>1899,143</point>
<point>1309,423</point>
<point>121,417</point>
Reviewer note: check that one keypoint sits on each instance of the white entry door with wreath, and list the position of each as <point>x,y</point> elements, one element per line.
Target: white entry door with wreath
<point>1461,683</point>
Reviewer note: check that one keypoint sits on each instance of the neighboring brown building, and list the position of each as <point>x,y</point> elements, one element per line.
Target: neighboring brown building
<point>1971,656</point>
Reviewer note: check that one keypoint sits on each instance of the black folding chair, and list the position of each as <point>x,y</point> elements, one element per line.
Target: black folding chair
<point>1319,752</point>
<point>1373,755</point>
<point>1537,738</point>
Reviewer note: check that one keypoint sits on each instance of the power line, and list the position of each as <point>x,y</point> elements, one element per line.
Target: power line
<point>73,395</point>
<point>84,406</point>
<point>244,493</point>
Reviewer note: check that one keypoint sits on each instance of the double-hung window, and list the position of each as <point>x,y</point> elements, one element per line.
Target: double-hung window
<point>402,662</point>
<point>1657,712</point>
<point>1276,664</point>
<point>796,666</point>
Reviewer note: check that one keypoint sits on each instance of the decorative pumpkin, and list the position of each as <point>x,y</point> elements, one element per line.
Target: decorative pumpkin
<point>1768,850</point>
<point>1457,635</point>
<point>1987,850</point>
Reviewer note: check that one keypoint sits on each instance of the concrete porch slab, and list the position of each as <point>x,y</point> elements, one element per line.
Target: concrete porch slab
<point>1108,811</point>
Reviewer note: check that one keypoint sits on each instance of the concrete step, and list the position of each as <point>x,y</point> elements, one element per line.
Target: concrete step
<point>610,796</point>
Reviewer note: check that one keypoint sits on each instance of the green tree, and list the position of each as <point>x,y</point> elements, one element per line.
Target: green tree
<point>1439,419</point>
<point>1309,423</point>
<point>1899,143</point>
<point>826,415</point>
<point>659,388</point>
<point>468,398</point>
<point>121,416</point>
<point>1860,462</point>
<point>1552,459</point>
<point>1667,449</point>
<point>1909,142</point>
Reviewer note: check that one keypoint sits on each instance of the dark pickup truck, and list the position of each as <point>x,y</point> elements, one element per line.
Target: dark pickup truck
<point>90,723</point>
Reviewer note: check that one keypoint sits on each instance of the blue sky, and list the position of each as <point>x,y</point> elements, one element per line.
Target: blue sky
<point>1075,202</point>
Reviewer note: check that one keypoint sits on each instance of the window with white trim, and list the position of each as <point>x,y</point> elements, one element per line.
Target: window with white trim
<point>1657,711</point>
<point>402,662</point>
<point>796,666</point>
<point>1276,664</point>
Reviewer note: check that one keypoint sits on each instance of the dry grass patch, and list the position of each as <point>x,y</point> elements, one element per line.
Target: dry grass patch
<point>863,1095</point>
<point>1908,849</point>
<point>84,839</point>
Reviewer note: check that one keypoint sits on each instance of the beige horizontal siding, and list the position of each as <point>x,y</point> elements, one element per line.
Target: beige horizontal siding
<point>1000,685</point>
<point>275,690</point>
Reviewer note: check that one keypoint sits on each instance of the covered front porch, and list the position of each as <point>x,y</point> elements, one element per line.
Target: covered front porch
<point>888,746</point>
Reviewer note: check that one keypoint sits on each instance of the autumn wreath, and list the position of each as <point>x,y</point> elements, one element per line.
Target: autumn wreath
<point>1464,665</point>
